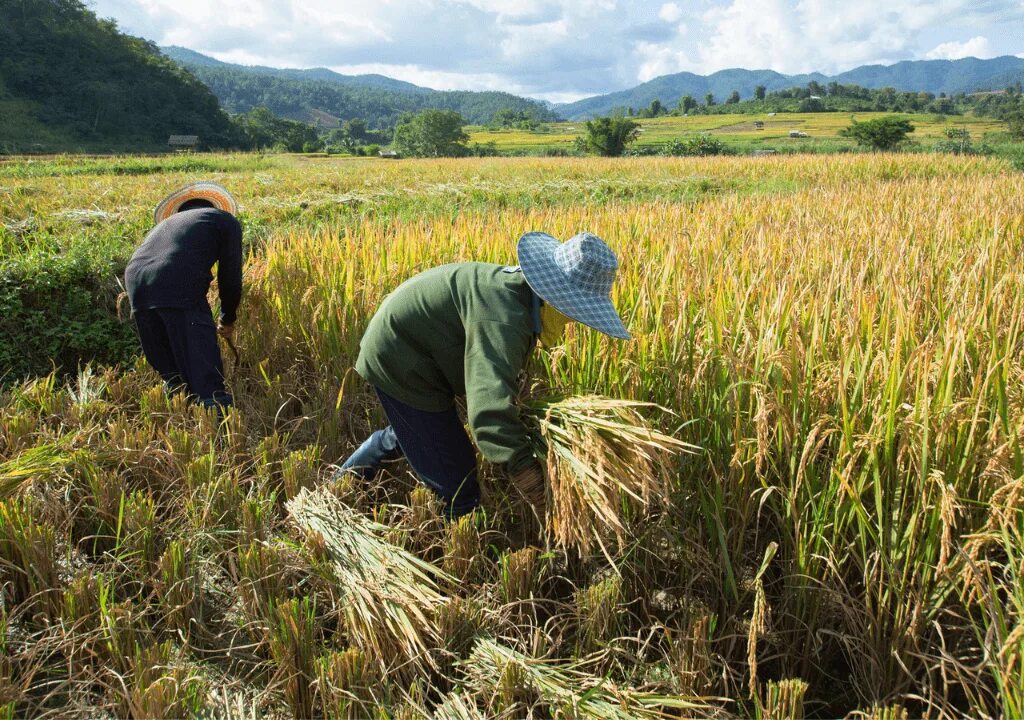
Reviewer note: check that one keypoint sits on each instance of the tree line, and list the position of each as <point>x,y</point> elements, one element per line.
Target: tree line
<point>1002,104</point>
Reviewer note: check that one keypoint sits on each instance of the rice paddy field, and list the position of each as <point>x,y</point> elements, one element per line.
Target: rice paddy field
<point>828,517</point>
<point>738,131</point>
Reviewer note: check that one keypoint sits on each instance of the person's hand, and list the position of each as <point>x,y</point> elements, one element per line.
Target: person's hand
<point>226,331</point>
<point>530,483</point>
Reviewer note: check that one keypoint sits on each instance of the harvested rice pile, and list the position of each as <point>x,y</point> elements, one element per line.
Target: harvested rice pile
<point>606,466</point>
<point>389,594</point>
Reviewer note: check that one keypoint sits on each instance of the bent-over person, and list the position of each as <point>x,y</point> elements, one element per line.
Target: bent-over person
<point>467,329</point>
<point>168,279</point>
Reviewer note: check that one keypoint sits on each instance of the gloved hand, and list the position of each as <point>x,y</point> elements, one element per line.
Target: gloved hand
<point>531,485</point>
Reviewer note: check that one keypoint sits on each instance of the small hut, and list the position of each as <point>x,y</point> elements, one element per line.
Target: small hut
<point>183,143</point>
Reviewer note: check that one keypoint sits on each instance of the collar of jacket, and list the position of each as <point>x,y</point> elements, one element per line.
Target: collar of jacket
<point>535,300</point>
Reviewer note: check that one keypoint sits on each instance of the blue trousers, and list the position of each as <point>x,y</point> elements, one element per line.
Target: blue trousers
<point>436,446</point>
<point>181,345</point>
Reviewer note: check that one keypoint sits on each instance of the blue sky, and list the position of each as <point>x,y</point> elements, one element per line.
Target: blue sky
<point>568,49</point>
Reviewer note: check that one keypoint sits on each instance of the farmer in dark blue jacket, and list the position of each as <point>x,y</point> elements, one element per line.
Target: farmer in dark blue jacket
<point>168,279</point>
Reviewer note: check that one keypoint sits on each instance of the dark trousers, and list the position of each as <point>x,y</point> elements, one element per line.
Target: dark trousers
<point>181,345</point>
<point>436,446</point>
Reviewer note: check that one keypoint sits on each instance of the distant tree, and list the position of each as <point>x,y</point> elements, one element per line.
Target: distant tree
<point>686,104</point>
<point>811,105</point>
<point>356,129</point>
<point>759,92</point>
<point>431,133</point>
<point>733,98</point>
<point>815,88</point>
<point>833,89</point>
<point>514,118</point>
<point>609,136</point>
<point>700,145</point>
<point>262,129</point>
<point>1016,124</point>
<point>880,134</point>
<point>709,99</point>
<point>655,108</point>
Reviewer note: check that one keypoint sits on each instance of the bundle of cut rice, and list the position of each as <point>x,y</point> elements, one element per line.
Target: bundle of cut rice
<point>388,595</point>
<point>605,465</point>
<point>511,679</point>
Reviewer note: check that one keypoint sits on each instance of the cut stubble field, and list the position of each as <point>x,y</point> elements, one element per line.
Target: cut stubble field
<point>840,336</point>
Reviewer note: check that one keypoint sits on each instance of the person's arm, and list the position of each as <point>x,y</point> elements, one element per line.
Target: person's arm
<point>495,355</point>
<point>229,270</point>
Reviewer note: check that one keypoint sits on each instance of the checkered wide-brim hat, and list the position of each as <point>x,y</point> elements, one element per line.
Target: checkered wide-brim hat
<point>575,277</point>
<point>219,197</point>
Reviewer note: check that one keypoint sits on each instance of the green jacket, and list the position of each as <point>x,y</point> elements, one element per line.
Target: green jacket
<point>459,329</point>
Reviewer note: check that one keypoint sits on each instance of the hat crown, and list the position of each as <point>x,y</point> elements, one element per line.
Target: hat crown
<point>588,263</point>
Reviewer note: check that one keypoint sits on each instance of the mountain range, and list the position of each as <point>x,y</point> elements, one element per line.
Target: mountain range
<point>324,97</point>
<point>933,76</point>
<point>320,94</point>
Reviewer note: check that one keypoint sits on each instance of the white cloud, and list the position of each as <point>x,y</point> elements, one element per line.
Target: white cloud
<point>670,12</point>
<point>977,46</point>
<point>657,60</point>
<point>569,48</point>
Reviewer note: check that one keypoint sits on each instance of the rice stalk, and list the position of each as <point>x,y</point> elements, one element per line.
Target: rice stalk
<point>598,613</point>
<point>349,684</point>
<point>606,466</point>
<point>388,596</point>
<point>292,636</point>
<point>784,700</point>
<point>566,690</point>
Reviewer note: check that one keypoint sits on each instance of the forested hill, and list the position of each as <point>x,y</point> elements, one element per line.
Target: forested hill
<point>932,76</point>
<point>71,81</point>
<point>310,94</point>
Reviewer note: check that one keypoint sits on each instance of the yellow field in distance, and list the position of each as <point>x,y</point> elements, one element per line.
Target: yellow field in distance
<point>738,127</point>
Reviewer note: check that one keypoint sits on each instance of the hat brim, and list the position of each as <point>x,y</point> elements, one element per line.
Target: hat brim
<point>219,197</point>
<point>536,253</point>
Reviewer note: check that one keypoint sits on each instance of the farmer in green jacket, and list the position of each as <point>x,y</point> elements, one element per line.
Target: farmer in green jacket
<point>468,329</point>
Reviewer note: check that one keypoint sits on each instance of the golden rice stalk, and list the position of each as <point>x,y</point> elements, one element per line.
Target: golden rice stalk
<point>784,700</point>
<point>567,690</point>
<point>456,706</point>
<point>388,595</point>
<point>605,464</point>
<point>40,461</point>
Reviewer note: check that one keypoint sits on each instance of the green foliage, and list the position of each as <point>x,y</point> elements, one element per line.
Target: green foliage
<point>1016,123</point>
<point>515,118</point>
<point>295,94</point>
<point>262,129</point>
<point>686,104</point>
<point>86,82</point>
<point>610,136</point>
<point>60,311</point>
<point>879,134</point>
<point>431,133</point>
<point>698,145</point>
<point>957,142</point>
